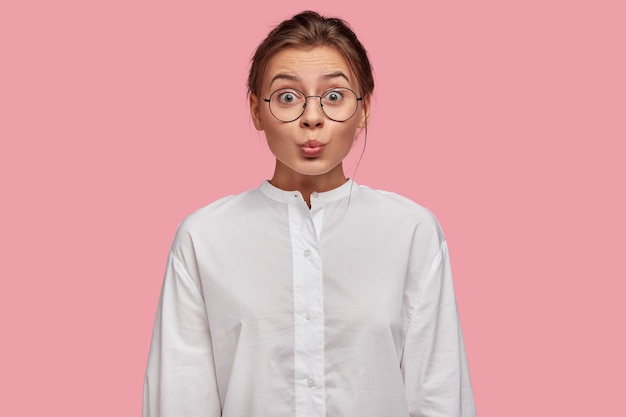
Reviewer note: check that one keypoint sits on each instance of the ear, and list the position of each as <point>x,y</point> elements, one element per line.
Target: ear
<point>365,111</point>
<point>255,111</point>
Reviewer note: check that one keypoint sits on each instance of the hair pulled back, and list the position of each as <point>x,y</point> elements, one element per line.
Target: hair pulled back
<point>308,30</point>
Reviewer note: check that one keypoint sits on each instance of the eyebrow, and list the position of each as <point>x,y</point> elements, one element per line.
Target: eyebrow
<point>332,75</point>
<point>325,77</point>
<point>282,76</point>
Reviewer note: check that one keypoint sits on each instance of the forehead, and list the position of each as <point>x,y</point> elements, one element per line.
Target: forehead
<point>306,65</point>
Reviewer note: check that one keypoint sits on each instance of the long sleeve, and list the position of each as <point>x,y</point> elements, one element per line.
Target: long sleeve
<point>273,308</point>
<point>434,363</point>
<point>180,376</point>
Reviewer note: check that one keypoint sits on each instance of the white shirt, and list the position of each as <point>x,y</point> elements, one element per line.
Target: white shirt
<point>272,309</point>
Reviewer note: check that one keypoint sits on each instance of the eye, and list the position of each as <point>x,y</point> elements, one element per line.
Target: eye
<point>287,97</point>
<point>333,96</point>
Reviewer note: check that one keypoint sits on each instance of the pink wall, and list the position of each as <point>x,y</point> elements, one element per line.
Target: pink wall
<point>118,118</point>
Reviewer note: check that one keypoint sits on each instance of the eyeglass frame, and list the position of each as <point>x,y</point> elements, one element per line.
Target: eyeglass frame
<point>306,98</point>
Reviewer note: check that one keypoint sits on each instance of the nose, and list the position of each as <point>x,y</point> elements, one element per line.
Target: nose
<point>313,115</point>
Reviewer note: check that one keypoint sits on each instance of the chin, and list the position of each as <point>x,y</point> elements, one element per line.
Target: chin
<point>314,171</point>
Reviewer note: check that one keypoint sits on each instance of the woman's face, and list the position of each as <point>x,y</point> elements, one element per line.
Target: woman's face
<point>312,144</point>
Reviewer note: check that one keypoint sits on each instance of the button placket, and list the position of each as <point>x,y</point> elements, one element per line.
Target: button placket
<point>309,310</point>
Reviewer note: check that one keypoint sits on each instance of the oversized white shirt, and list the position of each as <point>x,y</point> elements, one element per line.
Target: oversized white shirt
<point>272,309</point>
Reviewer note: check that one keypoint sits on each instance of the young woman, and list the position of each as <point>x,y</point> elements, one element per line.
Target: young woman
<point>310,295</point>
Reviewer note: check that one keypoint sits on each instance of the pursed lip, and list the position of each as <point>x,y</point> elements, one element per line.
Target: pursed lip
<point>312,143</point>
<point>312,148</point>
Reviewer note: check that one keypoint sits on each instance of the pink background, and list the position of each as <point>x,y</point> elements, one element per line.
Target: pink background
<point>507,119</point>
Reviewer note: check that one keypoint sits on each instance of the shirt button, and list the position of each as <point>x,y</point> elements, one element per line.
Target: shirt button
<point>310,382</point>
<point>307,253</point>
<point>308,315</point>
<point>314,194</point>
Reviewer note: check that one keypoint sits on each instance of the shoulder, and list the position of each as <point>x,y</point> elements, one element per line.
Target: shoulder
<point>396,204</point>
<point>400,209</point>
<point>222,210</point>
<point>216,218</point>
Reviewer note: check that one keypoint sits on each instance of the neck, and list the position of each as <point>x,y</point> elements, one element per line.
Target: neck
<point>287,179</point>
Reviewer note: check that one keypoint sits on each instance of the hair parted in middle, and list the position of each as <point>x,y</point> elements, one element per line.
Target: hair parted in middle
<point>308,30</point>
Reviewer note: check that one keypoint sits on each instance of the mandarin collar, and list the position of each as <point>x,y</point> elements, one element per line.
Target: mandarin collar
<point>283,196</point>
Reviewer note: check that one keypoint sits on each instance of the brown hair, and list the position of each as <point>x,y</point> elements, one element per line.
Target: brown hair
<point>307,30</point>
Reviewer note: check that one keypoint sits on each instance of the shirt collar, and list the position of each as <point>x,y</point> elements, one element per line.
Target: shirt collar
<point>283,196</point>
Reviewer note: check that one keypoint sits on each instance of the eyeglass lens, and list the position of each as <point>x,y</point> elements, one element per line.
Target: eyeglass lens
<point>338,104</point>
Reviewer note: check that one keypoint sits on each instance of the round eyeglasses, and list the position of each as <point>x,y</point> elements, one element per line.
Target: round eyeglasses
<point>288,104</point>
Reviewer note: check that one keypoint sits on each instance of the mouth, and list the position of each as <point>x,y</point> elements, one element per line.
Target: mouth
<point>312,148</point>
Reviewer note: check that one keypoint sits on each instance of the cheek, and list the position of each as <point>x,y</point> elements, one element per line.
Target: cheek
<point>279,136</point>
<point>273,130</point>
<point>348,131</point>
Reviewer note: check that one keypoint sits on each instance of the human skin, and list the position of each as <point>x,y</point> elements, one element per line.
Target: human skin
<point>310,150</point>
